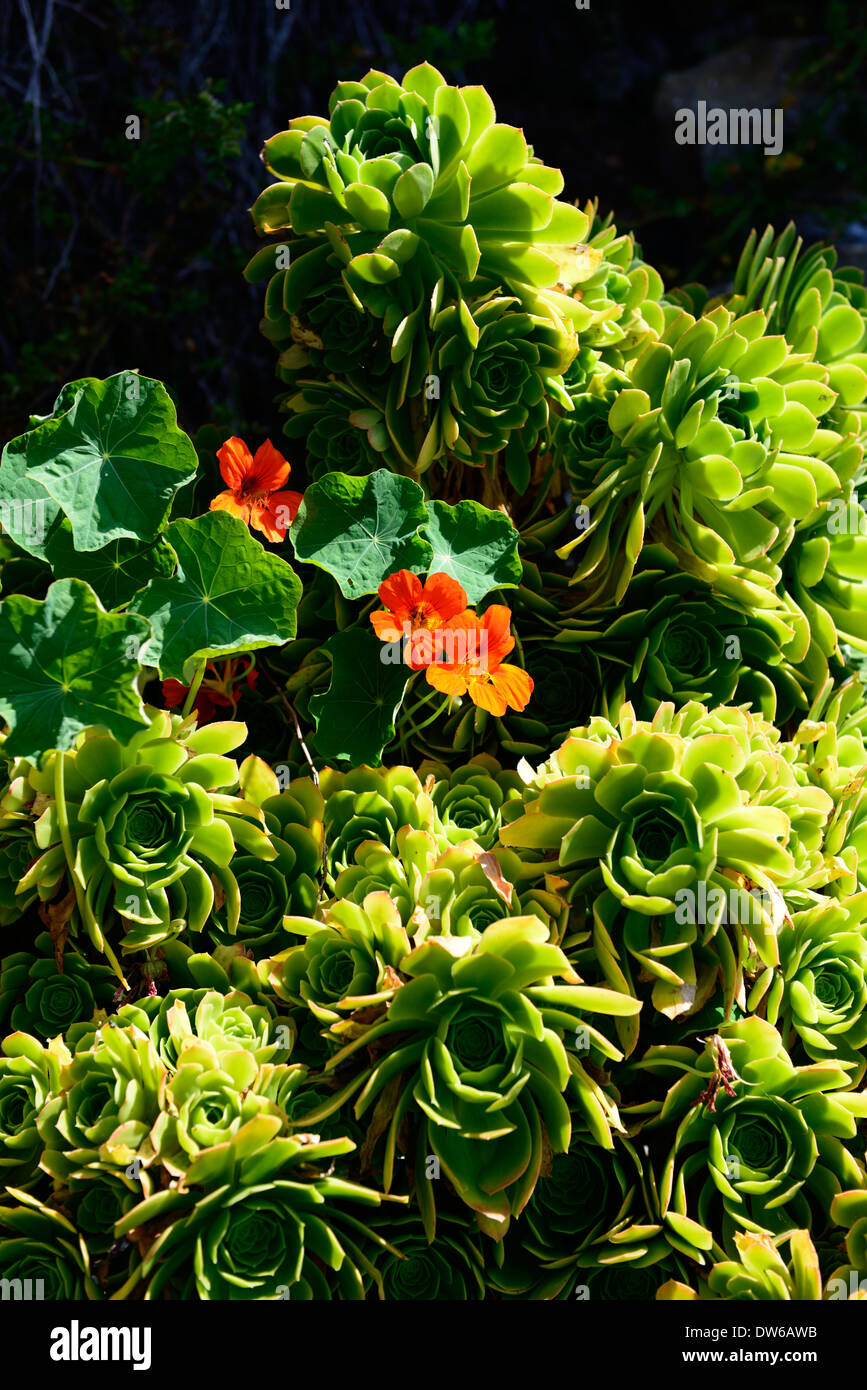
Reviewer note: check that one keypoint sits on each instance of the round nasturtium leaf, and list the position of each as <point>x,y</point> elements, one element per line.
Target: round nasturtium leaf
<point>227,595</point>
<point>67,665</point>
<point>355,716</point>
<point>474,545</point>
<point>114,461</point>
<point>361,529</point>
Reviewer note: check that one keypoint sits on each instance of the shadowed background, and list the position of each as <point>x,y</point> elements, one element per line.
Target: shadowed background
<point>128,253</point>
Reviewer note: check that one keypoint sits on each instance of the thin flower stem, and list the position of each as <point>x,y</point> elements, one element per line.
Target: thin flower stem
<point>417,728</point>
<point>194,687</point>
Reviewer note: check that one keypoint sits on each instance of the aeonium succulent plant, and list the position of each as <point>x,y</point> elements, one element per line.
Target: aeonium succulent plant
<point>370,804</point>
<point>757,1138</point>
<point>228,1021</point>
<point>42,1249</point>
<point>29,1077</point>
<point>409,188</point>
<point>469,799</point>
<point>720,450</point>
<point>41,995</point>
<point>819,309</point>
<point>672,638</point>
<point>108,1101</point>
<point>848,1212</point>
<point>668,827</point>
<point>457,891</point>
<point>256,1218</point>
<point>150,826</point>
<point>819,994</point>
<point>348,962</point>
<point>760,1273</point>
<point>452,1269</point>
<point>587,1208</point>
<point>469,1053</point>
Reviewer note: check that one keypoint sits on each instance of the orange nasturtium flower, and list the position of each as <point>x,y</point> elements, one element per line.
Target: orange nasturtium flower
<point>419,612</point>
<point>478,670</point>
<point>253,488</point>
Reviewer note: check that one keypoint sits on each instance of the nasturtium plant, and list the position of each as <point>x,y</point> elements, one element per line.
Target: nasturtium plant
<point>446,879</point>
<point>226,595</point>
<point>111,462</point>
<point>68,664</point>
<point>361,529</point>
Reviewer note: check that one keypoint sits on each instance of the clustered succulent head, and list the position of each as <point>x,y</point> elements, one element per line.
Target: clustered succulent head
<point>443,976</point>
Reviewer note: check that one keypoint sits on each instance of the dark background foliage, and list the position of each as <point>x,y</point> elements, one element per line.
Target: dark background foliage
<point>119,252</point>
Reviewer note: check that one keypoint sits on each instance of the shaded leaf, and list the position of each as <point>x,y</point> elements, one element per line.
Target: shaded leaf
<point>355,716</point>
<point>116,572</point>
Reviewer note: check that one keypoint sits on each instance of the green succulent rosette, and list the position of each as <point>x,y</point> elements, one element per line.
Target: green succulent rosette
<point>588,1205</point>
<point>823,571</point>
<point>312,1093</point>
<point>493,368</point>
<point>411,189</point>
<point>342,424</point>
<point>672,639</point>
<point>151,825</point>
<point>18,849</point>
<point>819,993</point>
<point>757,1139</point>
<point>109,1101</point>
<point>210,1096</point>
<point>848,1211</point>
<point>679,836</point>
<point>827,750</point>
<point>228,1021</point>
<point>270,889</point>
<point>582,442</point>
<point>42,995</point>
<point>42,1249</point>
<point>457,892</point>
<point>452,1269</point>
<point>720,450</point>
<point>622,290</point>
<point>29,1077</point>
<point>349,962</point>
<point>256,1219</point>
<point>96,1201</point>
<point>819,309</point>
<point>331,334</point>
<point>761,1273</point>
<point>469,799</point>
<point>370,804</point>
<point>470,1054</point>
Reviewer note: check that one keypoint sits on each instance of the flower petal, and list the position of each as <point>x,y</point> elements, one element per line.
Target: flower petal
<point>228,502</point>
<point>449,680</point>
<point>174,693</point>
<point>514,685</point>
<point>236,463</point>
<point>483,693</point>
<point>385,626</point>
<point>275,514</point>
<point>495,621</point>
<point>445,595</point>
<point>269,470</point>
<point>401,592</point>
